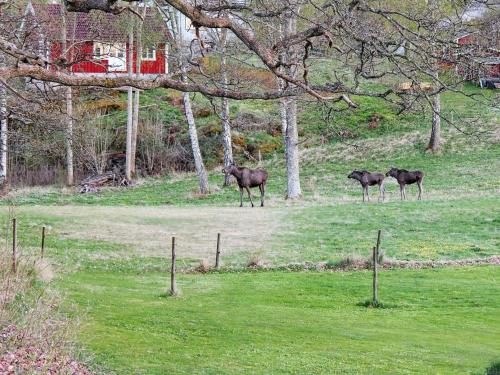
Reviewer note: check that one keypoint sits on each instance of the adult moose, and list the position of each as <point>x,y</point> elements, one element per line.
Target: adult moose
<point>367,179</point>
<point>248,178</point>
<point>405,177</point>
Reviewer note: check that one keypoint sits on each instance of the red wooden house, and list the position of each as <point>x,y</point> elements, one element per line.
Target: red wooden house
<point>97,42</point>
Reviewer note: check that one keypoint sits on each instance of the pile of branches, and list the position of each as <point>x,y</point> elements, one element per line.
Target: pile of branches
<point>93,184</point>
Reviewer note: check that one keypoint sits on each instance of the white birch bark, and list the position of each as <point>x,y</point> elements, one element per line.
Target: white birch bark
<point>294,190</point>
<point>135,117</point>
<point>69,107</point>
<point>195,146</point>
<point>3,130</point>
<point>130,108</point>
<point>226,124</point>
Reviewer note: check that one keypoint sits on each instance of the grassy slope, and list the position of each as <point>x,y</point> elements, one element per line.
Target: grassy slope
<point>306,322</point>
<point>440,321</point>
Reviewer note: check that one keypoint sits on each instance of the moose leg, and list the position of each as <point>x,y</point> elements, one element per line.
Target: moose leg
<point>363,193</point>
<point>249,195</point>
<point>401,191</point>
<point>381,192</point>
<point>262,192</point>
<point>420,190</point>
<point>367,192</point>
<point>241,197</point>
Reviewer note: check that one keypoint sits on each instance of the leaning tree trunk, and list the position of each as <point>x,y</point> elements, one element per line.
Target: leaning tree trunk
<point>3,131</point>
<point>294,190</point>
<point>130,109</point>
<point>226,125</point>
<point>193,135</point>
<point>69,107</point>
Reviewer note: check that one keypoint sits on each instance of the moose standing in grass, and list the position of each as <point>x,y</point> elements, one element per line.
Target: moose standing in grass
<point>248,178</point>
<point>405,177</point>
<point>367,179</point>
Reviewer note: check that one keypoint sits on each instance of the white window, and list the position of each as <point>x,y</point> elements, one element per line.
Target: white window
<point>105,50</point>
<point>117,50</point>
<point>189,24</point>
<point>101,50</point>
<point>149,54</point>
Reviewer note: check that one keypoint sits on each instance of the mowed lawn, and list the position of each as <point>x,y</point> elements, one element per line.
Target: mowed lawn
<point>439,321</point>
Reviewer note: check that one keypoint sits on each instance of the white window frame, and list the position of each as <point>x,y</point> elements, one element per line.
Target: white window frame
<point>188,24</point>
<point>108,50</point>
<point>103,51</point>
<point>148,54</point>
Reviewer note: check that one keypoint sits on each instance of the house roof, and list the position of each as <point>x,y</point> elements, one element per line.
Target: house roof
<point>98,26</point>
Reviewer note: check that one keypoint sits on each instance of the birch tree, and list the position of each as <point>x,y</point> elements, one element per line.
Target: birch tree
<point>135,116</point>
<point>68,132</point>
<point>288,113</point>
<point>3,130</point>
<point>130,106</point>
<point>182,59</point>
<point>435,138</point>
<point>225,114</point>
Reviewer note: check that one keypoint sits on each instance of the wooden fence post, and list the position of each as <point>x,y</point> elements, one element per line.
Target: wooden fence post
<point>378,241</point>
<point>14,240</point>
<point>43,242</point>
<point>217,254</point>
<point>173,283</point>
<point>375,277</point>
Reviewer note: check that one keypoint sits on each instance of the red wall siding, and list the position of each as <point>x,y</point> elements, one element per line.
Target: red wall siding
<point>467,39</point>
<point>83,53</point>
<point>152,67</point>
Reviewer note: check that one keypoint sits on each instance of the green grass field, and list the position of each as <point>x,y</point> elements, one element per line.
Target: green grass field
<point>109,256</point>
<point>443,321</point>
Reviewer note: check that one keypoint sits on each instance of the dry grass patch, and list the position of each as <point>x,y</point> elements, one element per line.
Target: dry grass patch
<point>147,230</point>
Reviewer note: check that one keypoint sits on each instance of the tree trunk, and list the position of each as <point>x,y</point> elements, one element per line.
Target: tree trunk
<point>135,117</point>
<point>282,107</point>
<point>69,137</point>
<point>226,125</point>
<point>3,132</point>
<point>69,107</point>
<point>294,190</point>
<point>193,135</point>
<point>130,109</point>
<point>435,140</point>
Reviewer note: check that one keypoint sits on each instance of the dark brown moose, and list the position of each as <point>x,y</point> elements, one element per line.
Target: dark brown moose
<point>405,177</point>
<point>367,179</point>
<point>248,178</point>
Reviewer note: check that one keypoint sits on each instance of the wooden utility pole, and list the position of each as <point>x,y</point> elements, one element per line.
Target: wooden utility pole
<point>173,283</point>
<point>217,253</point>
